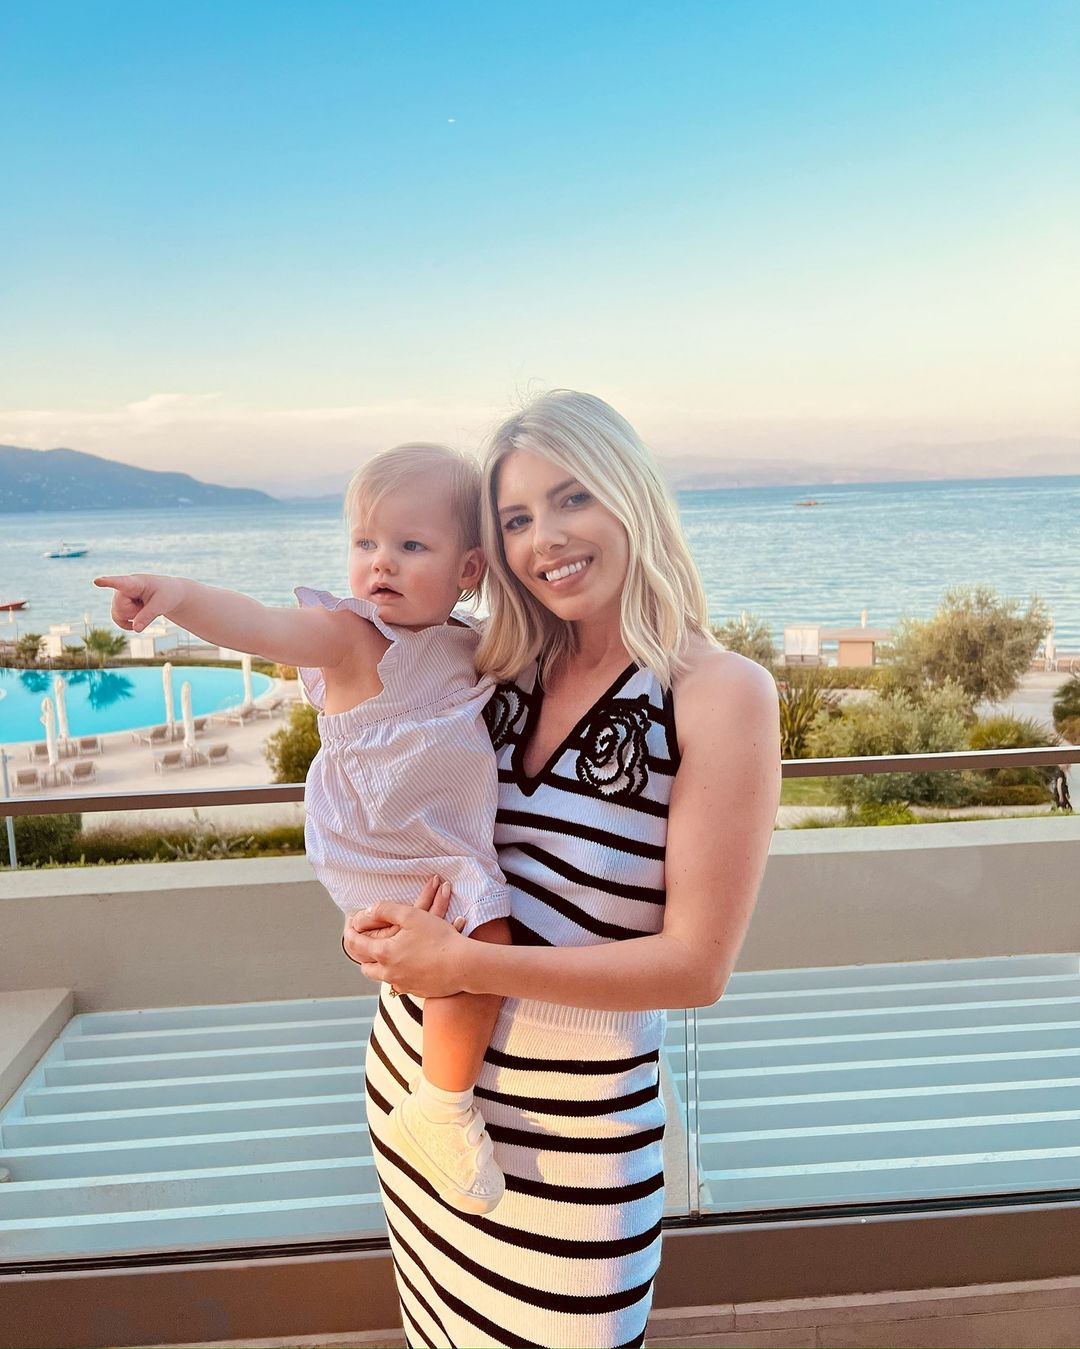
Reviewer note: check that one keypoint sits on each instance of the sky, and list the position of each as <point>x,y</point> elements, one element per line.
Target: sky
<point>258,240</point>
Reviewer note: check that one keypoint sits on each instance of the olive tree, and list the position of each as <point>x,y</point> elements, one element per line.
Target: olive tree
<point>976,641</point>
<point>749,636</point>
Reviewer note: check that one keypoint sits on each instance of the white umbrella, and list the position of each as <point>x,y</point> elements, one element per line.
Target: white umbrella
<point>245,669</point>
<point>60,689</point>
<point>48,720</point>
<point>166,685</point>
<point>185,712</point>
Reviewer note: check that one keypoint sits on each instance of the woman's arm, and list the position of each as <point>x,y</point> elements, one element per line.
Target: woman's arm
<point>720,820</point>
<point>310,637</point>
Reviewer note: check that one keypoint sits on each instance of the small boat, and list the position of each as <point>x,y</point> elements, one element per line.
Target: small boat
<point>67,550</point>
<point>7,605</point>
<point>808,501</point>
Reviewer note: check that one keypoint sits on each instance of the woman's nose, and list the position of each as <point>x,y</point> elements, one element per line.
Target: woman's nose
<point>547,534</point>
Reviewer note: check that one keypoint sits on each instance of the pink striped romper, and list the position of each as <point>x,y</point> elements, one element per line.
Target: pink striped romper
<point>405,784</point>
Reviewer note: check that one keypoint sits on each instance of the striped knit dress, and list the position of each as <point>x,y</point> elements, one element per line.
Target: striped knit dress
<point>571,1097</point>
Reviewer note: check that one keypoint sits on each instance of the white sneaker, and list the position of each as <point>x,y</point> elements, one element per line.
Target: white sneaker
<point>456,1157</point>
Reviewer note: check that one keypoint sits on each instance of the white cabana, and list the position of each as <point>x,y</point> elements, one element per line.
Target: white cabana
<point>166,685</point>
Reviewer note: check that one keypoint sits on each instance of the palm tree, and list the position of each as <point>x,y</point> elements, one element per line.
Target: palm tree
<point>104,644</point>
<point>28,647</point>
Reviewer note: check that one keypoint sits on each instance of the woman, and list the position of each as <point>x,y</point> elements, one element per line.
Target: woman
<point>639,777</point>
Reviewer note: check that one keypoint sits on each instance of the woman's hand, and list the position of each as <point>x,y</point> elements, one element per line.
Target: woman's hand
<point>412,948</point>
<point>434,899</point>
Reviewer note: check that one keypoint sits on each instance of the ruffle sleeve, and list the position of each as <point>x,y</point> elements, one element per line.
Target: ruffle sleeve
<point>311,677</point>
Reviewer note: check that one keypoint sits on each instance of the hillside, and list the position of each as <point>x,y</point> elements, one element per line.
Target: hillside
<point>68,480</point>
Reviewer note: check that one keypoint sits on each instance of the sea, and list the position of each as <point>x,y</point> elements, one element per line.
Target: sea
<point>889,548</point>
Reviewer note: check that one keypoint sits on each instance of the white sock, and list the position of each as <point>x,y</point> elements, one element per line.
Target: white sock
<point>438,1104</point>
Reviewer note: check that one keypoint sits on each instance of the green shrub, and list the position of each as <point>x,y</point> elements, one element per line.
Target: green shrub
<point>897,723</point>
<point>1010,786</point>
<point>1069,730</point>
<point>289,752</point>
<point>114,844</point>
<point>1033,795</point>
<point>882,813</point>
<point>42,838</point>
<point>834,676</point>
<point>802,706</point>
<point>1067,703</point>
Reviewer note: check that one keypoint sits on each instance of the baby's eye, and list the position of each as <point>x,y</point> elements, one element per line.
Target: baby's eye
<point>412,546</point>
<point>364,544</point>
<point>515,522</point>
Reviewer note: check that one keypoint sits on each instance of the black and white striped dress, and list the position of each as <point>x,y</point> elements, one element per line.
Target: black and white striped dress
<point>571,1096</point>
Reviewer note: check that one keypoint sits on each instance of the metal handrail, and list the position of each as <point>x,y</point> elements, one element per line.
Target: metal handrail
<point>952,761</point>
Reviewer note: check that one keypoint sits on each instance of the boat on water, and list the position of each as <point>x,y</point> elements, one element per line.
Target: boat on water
<point>67,550</point>
<point>7,605</point>
<point>808,501</point>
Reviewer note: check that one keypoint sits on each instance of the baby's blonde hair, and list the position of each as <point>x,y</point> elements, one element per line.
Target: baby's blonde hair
<point>663,604</point>
<point>392,469</point>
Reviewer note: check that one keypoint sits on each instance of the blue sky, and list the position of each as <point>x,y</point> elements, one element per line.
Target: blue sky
<point>258,237</point>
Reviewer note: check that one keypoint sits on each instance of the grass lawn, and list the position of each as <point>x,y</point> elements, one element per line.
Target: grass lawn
<point>805,792</point>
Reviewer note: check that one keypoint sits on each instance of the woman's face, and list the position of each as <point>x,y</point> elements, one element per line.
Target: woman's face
<point>563,546</point>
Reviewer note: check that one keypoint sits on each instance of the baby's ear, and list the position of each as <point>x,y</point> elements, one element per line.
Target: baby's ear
<point>473,567</point>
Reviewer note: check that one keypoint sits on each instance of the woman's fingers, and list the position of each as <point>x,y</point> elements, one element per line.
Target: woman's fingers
<point>381,915</point>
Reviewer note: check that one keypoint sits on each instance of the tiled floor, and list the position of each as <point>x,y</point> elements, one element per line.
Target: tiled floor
<point>1043,1315</point>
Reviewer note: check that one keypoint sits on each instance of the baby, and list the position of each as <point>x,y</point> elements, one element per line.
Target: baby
<point>405,783</point>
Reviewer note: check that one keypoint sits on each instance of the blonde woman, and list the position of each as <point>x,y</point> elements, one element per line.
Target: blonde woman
<point>639,778</point>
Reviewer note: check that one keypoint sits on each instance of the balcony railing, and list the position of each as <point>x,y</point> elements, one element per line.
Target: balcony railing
<point>954,761</point>
<point>902,1037</point>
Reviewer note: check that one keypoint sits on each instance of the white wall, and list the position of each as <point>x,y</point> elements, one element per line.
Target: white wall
<point>238,931</point>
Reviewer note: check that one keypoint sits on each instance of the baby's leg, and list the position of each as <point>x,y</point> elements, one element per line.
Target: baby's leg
<point>457,1030</point>
<point>438,1128</point>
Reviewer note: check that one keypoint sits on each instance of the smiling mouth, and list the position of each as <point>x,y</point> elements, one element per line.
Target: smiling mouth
<point>570,569</point>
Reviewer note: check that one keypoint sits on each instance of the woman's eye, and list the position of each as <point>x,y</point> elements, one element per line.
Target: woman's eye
<point>515,522</point>
<point>578,498</point>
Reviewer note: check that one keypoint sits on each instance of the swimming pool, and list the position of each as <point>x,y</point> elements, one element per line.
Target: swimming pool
<point>114,700</point>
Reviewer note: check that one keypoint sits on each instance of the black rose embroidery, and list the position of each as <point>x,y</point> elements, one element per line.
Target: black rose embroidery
<point>614,752</point>
<point>501,712</point>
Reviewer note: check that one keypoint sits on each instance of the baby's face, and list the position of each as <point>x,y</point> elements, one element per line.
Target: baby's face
<point>407,556</point>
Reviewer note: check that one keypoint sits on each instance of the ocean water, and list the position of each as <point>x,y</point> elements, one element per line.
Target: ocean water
<point>891,548</point>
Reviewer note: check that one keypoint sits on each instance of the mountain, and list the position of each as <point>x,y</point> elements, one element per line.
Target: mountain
<point>1034,457</point>
<point>68,480</point>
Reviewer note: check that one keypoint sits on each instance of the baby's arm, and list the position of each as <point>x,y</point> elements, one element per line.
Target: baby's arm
<point>309,637</point>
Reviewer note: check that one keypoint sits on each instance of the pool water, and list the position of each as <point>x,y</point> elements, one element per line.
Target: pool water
<point>114,700</point>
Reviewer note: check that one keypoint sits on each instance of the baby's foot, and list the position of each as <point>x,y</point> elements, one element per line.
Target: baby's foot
<point>455,1155</point>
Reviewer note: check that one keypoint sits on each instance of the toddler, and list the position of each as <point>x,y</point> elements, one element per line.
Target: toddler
<point>405,783</point>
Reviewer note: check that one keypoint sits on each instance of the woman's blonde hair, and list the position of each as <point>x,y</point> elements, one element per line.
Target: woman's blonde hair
<point>663,600</point>
<point>393,469</point>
